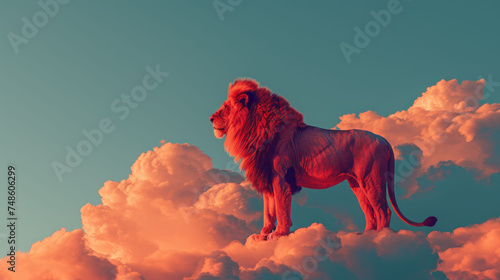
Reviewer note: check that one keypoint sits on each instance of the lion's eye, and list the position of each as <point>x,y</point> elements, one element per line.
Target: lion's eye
<point>225,110</point>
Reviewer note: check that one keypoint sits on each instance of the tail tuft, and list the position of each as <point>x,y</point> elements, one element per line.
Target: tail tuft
<point>430,221</point>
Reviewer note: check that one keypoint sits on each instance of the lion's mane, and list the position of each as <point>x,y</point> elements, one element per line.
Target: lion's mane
<point>258,129</point>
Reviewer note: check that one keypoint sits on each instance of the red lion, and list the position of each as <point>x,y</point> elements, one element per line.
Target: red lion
<point>280,153</point>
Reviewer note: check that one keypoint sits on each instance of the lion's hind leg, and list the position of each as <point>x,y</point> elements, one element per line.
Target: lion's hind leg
<point>364,203</point>
<point>376,195</point>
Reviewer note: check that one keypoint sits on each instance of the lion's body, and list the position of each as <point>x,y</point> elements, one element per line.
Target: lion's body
<point>280,154</point>
<point>325,158</point>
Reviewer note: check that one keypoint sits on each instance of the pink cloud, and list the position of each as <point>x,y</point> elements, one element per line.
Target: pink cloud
<point>446,123</point>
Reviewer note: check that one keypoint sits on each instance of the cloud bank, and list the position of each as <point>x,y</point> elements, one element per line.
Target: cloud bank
<point>447,123</point>
<point>177,217</point>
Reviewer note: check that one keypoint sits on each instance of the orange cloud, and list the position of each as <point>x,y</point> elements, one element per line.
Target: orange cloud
<point>318,253</point>
<point>469,252</point>
<point>446,123</point>
<point>172,204</point>
<point>65,255</point>
<point>239,200</point>
<point>217,265</point>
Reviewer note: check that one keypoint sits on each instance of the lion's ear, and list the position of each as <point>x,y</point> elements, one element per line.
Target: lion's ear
<point>243,98</point>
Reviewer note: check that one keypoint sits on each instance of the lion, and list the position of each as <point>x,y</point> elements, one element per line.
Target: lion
<point>280,154</point>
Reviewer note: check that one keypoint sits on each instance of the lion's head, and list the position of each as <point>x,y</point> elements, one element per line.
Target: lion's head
<point>237,104</point>
<point>254,119</point>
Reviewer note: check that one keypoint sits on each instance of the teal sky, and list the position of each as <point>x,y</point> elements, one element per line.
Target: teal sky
<point>64,79</point>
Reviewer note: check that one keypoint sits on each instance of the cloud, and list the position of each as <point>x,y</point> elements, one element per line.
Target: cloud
<point>65,255</point>
<point>167,219</point>
<point>216,266</point>
<point>239,200</point>
<point>318,253</point>
<point>299,254</point>
<point>471,252</point>
<point>173,203</point>
<point>447,123</point>
<point>388,255</point>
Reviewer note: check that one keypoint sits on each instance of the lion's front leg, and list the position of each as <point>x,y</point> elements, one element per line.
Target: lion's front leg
<point>269,218</point>
<point>269,214</point>
<point>283,206</point>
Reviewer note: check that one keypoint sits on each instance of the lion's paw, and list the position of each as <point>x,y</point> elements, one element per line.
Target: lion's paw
<point>275,235</point>
<point>259,237</point>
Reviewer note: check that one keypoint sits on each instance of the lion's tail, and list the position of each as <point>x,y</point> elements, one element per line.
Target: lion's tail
<point>429,222</point>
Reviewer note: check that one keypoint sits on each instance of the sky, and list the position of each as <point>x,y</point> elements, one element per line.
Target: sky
<point>68,69</point>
